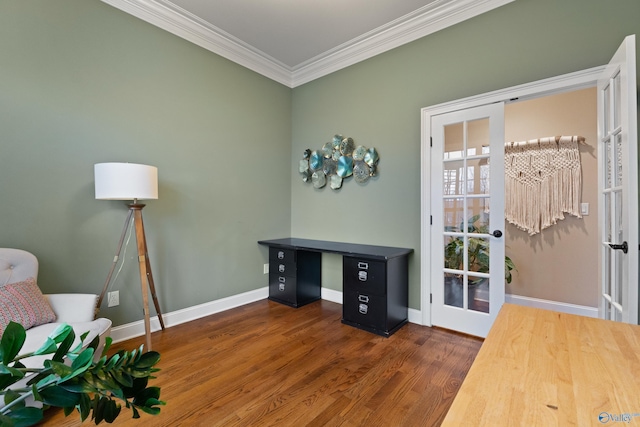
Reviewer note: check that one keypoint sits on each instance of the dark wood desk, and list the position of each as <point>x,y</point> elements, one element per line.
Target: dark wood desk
<point>375,280</point>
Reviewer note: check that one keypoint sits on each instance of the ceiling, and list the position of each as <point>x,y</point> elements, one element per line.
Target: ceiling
<point>296,41</point>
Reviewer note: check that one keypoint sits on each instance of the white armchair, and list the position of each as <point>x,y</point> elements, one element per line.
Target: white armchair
<point>77,310</point>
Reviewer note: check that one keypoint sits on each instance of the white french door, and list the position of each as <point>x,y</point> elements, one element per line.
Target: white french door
<point>618,186</point>
<point>467,218</point>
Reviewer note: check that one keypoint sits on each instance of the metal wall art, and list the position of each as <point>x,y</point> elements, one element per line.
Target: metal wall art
<point>337,160</point>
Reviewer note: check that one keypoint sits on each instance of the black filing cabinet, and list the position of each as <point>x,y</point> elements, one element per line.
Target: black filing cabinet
<point>375,294</point>
<point>294,276</point>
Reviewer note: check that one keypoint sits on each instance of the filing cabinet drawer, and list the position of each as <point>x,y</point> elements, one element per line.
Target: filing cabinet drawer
<point>364,275</point>
<point>282,288</point>
<point>365,309</point>
<point>278,255</point>
<point>283,268</point>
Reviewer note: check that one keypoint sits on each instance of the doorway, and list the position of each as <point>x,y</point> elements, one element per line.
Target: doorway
<point>558,267</point>
<point>617,178</point>
<point>617,182</point>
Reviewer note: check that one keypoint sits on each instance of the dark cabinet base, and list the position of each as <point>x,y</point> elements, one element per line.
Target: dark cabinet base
<point>381,332</point>
<point>294,279</point>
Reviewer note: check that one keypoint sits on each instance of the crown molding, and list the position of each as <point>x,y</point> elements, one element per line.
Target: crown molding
<point>424,21</point>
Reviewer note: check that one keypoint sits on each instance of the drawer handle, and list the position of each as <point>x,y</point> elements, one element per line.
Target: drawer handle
<point>282,279</point>
<point>363,298</point>
<point>363,265</point>
<point>281,287</point>
<point>362,275</point>
<point>363,308</point>
<point>281,268</point>
<point>280,255</point>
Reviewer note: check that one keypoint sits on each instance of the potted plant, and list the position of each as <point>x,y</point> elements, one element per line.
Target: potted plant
<point>93,388</point>
<point>477,251</point>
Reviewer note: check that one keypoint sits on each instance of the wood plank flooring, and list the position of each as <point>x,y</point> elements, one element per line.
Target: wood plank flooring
<point>266,364</point>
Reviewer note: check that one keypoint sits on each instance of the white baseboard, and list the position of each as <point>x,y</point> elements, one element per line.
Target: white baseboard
<point>562,307</point>
<point>331,295</point>
<point>136,329</point>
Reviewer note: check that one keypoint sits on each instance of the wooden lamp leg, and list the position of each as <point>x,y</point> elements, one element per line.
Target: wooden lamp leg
<point>146,277</point>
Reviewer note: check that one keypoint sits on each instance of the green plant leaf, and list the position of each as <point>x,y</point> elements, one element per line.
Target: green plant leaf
<point>84,407</point>
<point>61,332</point>
<point>65,345</point>
<point>147,360</point>
<point>12,341</point>
<point>83,361</point>
<point>59,397</point>
<point>111,411</point>
<point>22,417</point>
<point>48,347</point>
<point>60,369</point>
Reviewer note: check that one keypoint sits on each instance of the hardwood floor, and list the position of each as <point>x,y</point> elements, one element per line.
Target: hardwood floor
<point>266,364</point>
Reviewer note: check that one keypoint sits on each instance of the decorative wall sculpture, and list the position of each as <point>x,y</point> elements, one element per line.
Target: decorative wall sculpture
<point>337,160</point>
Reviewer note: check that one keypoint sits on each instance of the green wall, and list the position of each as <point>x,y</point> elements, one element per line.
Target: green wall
<point>81,83</point>
<point>378,102</point>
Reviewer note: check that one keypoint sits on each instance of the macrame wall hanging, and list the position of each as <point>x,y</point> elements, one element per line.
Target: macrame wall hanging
<point>543,181</point>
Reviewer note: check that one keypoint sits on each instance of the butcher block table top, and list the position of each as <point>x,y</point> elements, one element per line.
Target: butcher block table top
<point>544,368</point>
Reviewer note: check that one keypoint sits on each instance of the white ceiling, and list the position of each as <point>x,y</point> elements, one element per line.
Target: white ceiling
<point>296,41</point>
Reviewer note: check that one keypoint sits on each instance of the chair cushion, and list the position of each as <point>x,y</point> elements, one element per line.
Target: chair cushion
<point>23,302</point>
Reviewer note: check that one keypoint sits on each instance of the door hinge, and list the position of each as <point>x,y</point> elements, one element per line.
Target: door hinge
<point>430,141</point>
<point>430,298</point>
<point>431,219</point>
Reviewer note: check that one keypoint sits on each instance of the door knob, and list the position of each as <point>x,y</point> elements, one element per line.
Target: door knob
<point>497,233</point>
<point>624,247</point>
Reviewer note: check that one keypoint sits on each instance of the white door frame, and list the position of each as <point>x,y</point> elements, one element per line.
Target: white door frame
<point>555,85</point>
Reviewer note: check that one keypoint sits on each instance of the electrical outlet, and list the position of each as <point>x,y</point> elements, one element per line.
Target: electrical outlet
<point>265,269</point>
<point>113,298</point>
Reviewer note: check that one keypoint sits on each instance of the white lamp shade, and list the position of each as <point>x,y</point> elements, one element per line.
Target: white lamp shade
<point>125,181</point>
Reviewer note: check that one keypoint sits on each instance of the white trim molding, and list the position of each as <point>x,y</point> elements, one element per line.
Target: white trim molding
<point>433,17</point>
<point>562,307</point>
<point>136,329</point>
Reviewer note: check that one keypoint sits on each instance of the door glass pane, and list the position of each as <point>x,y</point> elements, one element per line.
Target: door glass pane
<point>607,217</point>
<point>478,294</point>
<point>453,213</point>
<point>619,233</point>
<point>478,176</point>
<point>606,151</point>
<point>454,252</point>
<point>454,178</point>
<point>606,101</point>
<point>617,99</point>
<point>478,254</point>
<point>607,268</point>
<point>618,160</point>
<point>618,257</point>
<point>477,136</point>
<point>454,141</point>
<point>453,294</point>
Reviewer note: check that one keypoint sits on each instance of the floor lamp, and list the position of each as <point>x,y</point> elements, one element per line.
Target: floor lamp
<point>130,181</point>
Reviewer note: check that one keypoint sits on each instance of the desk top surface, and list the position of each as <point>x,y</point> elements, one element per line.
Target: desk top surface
<point>371,251</point>
<point>538,367</point>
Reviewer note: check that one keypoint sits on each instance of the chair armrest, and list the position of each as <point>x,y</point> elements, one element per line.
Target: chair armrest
<point>71,308</point>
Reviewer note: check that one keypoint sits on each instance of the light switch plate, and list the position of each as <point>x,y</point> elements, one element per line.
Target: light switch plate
<point>584,208</point>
